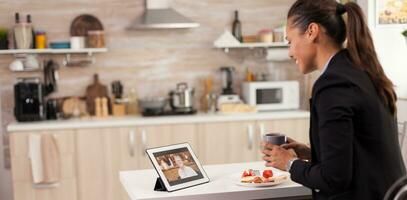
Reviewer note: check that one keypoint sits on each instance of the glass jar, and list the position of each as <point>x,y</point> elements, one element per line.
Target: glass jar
<point>40,40</point>
<point>95,39</point>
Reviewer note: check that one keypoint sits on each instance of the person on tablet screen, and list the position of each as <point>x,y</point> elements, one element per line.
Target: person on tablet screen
<point>184,171</point>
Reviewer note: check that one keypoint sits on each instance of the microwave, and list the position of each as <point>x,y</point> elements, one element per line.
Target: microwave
<point>275,95</point>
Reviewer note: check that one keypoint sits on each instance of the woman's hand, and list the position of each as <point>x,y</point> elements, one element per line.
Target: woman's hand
<point>276,156</point>
<point>302,150</point>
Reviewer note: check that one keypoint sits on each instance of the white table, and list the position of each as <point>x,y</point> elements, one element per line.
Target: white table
<point>139,185</point>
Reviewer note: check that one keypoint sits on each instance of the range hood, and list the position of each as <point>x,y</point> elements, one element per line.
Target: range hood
<point>159,15</point>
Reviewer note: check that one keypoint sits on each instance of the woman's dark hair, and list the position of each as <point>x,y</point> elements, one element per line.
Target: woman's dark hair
<point>329,15</point>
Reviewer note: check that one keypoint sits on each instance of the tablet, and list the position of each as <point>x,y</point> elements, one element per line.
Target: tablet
<point>177,166</point>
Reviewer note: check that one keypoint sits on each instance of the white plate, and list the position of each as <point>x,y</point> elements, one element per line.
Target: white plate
<point>280,177</point>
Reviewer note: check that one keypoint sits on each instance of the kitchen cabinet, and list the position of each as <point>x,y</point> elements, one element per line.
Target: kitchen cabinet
<point>92,163</point>
<point>102,153</point>
<point>156,136</point>
<point>91,158</point>
<point>297,129</point>
<point>21,168</point>
<point>228,142</point>
<point>240,141</point>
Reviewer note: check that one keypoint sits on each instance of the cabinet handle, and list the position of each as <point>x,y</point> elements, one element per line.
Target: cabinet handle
<point>132,141</point>
<point>250,136</point>
<point>262,131</point>
<point>143,142</point>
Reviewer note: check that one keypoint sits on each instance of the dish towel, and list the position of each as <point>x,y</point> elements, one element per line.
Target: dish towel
<point>45,161</point>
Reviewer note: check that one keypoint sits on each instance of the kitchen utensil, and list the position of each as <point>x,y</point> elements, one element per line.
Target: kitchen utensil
<point>207,83</point>
<point>119,109</point>
<point>77,42</point>
<point>237,27</point>
<point>23,35</point>
<point>182,99</point>
<point>132,106</point>
<point>153,104</point>
<point>117,89</point>
<point>211,102</point>
<point>78,62</point>
<point>256,172</point>
<point>279,35</point>
<point>60,45</point>
<point>74,107</point>
<point>16,65</point>
<point>28,100</point>
<point>227,80</point>
<point>275,138</point>
<point>105,107</point>
<point>51,109</point>
<point>31,62</point>
<point>96,89</point>
<point>51,76</point>
<point>250,38</point>
<point>266,35</point>
<point>95,39</point>
<point>227,99</point>
<point>84,23</point>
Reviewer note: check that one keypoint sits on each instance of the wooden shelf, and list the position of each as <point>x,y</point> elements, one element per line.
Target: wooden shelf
<point>52,51</point>
<point>254,45</point>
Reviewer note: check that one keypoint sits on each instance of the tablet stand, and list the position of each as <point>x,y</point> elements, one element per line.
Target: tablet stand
<point>159,185</point>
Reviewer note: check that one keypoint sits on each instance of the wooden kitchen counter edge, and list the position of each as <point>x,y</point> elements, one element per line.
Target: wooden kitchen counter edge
<point>146,121</point>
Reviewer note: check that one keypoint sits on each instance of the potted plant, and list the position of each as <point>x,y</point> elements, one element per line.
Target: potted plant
<point>405,34</point>
<point>3,38</point>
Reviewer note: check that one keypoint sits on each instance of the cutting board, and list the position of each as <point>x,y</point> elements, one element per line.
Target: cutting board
<point>96,89</point>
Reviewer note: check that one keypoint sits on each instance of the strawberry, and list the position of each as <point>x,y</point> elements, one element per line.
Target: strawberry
<point>248,172</point>
<point>267,173</point>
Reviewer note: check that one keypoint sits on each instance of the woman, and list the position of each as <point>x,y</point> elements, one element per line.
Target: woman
<point>354,151</point>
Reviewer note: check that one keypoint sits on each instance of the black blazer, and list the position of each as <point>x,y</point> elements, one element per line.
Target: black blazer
<point>355,152</point>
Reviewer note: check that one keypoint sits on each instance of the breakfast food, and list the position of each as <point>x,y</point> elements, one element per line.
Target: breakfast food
<point>267,173</point>
<point>253,176</point>
<point>247,173</point>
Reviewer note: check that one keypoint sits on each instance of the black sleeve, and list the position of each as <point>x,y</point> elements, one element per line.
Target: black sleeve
<point>333,173</point>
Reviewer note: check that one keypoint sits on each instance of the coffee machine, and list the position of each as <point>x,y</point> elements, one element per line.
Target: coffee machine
<point>227,80</point>
<point>228,95</point>
<point>28,99</point>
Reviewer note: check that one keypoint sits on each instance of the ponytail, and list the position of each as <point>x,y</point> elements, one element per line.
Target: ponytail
<point>362,53</point>
<point>329,14</point>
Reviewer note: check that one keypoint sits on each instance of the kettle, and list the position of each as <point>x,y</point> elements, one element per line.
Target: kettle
<point>182,98</point>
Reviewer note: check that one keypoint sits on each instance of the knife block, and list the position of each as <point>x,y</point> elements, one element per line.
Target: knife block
<point>119,109</point>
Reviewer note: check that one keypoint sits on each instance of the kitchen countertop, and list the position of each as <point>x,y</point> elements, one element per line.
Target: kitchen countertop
<point>139,120</point>
<point>139,185</point>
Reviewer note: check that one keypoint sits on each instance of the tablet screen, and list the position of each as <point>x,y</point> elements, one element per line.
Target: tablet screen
<point>178,166</point>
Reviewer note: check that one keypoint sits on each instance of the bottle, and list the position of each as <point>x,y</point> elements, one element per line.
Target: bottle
<point>237,27</point>
<point>249,75</point>
<point>33,44</point>
<point>17,17</point>
<point>132,106</point>
<point>13,42</point>
<point>40,40</point>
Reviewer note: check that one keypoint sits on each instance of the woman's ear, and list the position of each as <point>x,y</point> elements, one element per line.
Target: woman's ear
<point>312,32</point>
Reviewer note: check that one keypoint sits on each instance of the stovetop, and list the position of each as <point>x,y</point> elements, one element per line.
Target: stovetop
<point>157,113</point>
